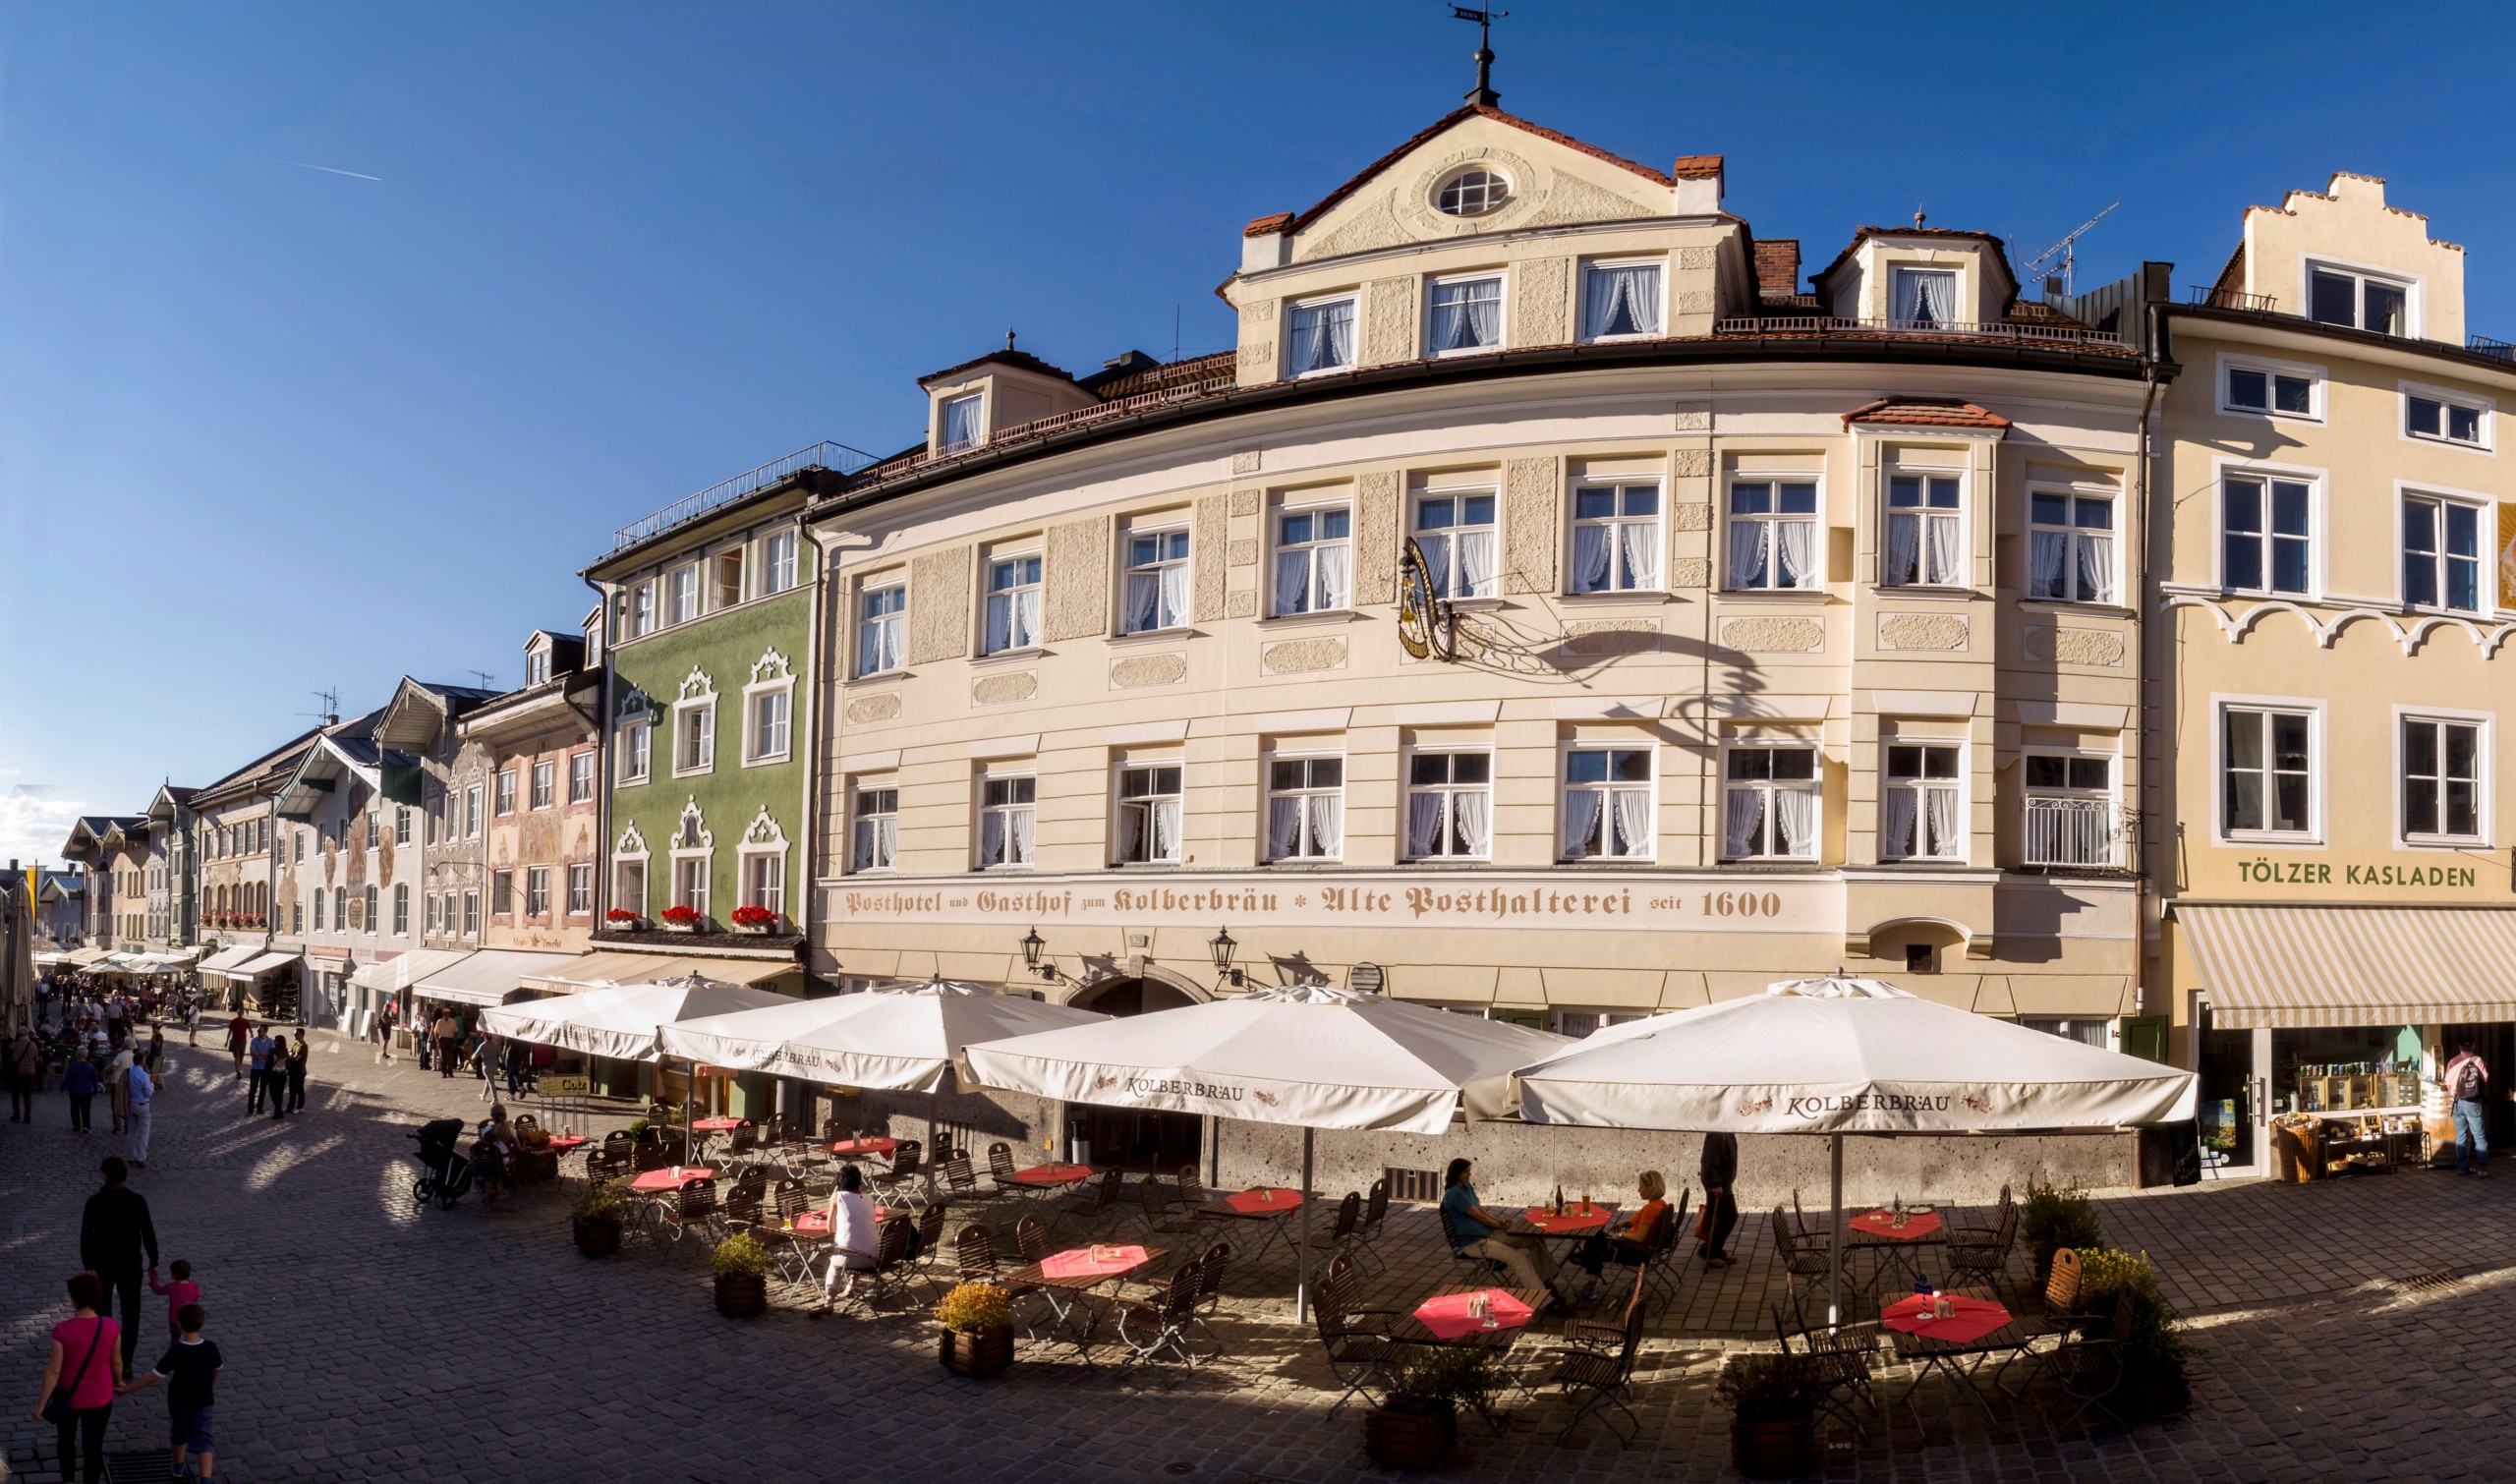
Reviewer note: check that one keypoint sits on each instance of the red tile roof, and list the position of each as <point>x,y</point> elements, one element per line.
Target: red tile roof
<point>1860,235</point>
<point>1457,115</point>
<point>1925,412</point>
<point>1265,224</point>
<point>1695,167</point>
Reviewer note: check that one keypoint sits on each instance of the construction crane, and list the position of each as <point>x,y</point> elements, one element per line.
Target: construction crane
<point>2063,250</point>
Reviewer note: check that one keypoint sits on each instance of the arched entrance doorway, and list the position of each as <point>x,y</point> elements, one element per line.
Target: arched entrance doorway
<point>1129,1138</point>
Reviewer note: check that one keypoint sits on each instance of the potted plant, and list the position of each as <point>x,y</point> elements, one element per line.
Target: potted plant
<point>1415,1424</point>
<point>624,919</point>
<point>742,1276</point>
<point>1773,1413</point>
<point>755,919</point>
<point>977,1337</point>
<point>2053,1219</point>
<point>683,919</point>
<point>2153,1383</point>
<point>600,1207</point>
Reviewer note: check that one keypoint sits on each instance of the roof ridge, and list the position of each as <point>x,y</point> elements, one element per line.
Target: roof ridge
<point>1300,220</point>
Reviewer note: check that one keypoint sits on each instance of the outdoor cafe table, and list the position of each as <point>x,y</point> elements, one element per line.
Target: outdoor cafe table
<point>883,1147</point>
<point>1442,1321</point>
<point>1052,1176</point>
<point>1892,1237</point>
<point>1260,1203</point>
<point>1066,1281</point>
<point>1578,1220</point>
<point>1956,1347</point>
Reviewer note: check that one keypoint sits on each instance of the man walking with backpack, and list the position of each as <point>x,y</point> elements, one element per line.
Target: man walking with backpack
<point>2466,1078</point>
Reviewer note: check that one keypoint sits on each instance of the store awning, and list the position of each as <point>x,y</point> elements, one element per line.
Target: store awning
<point>2291,967</point>
<point>400,973</point>
<point>83,958</point>
<point>255,967</point>
<point>487,977</point>
<point>611,966</point>
<point>228,958</point>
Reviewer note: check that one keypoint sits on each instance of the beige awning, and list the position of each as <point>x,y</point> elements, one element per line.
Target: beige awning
<point>229,957</point>
<point>611,966</point>
<point>403,970</point>
<point>2345,966</point>
<point>487,977</point>
<point>252,968</point>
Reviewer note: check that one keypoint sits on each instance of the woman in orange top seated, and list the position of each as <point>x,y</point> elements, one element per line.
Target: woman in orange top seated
<point>1627,1241</point>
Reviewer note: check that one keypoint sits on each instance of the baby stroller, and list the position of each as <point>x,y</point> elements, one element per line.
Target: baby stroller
<point>450,1174</point>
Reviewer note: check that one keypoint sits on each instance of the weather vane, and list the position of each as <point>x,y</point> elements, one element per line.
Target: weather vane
<point>1484,94</point>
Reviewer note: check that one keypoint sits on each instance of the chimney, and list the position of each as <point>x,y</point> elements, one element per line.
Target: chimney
<point>1777,265</point>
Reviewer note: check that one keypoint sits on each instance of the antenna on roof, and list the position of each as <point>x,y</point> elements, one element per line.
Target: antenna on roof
<point>2065,252</point>
<point>484,676</point>
<point>330,715</point>
<point>1483,94</point>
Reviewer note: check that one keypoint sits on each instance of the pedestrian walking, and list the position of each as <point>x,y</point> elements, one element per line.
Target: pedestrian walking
<point>178,1292</point>
<point>118,1242</point>
<point>139,1095</point>
<point>257,1059</point>
<point>448,1035</point>
<point>25,1069</point>
<point>79,1378</point>
<point>192,1017</point>
<point>118,1085</point>
<point>2466,1080</point>
<point>190,1369</point>
<point>79,1079</point>
<point>154,1058</point>
<point>1717,1170</point>
<point>296,1073</point>
<point>239,1038</point>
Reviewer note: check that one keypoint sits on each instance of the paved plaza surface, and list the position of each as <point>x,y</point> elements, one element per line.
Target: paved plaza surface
<point>2358,1329</point>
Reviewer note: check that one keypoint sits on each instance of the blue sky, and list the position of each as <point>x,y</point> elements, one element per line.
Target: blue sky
<point>266,430</point>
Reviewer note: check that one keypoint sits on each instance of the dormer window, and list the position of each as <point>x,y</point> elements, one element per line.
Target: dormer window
<point>536,667</point>
<point>1473,193</point>
<point>1923,299</point>
<point>960,422</point>
<point>2359,302</point>
<point>1620,300</point>
<point>1320,338</point>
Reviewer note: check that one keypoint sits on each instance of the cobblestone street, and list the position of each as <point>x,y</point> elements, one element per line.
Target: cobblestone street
<point>366,1340</point>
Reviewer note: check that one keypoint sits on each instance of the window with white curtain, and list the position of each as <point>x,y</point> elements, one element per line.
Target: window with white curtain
<point>2440,779</point>
<point>2070,553</point>
<point>628,888</point>
<point>1157,581</point>
<point>536,892</point>
<point>1925,530</point>
<point>681,590</point>
<point>1305,809</point>
<point>2440,553</point>
<point>581,777</point>
<point>1012,602</point>
<point>1006,814</point>
<point>1456,534</point>
<point>769,728</point>
<point>960,422</point>
<point>882,628</point>
<point>545,777</point>
<point>1148,814</point>
<point>637,747</point>
<point>1615,538</point>
<point>642,609</point>
<point>776,562</point>
<point>1920,812</point>
<point>471,915</point>
<point>1466,314</point>
<point>1620,300</point>
<point>1922,298</point>
<point>690,884</point>
<point>1314,560</point>
<point>874,838</point>
<point>1769,795</point>
<point>693,746</point>
<point>1773,535</point>
<point>1450,805</point>
<point>1320,336</point>
<point>1607,803</point>
<point>2266,771</point>
<point>579,889</point>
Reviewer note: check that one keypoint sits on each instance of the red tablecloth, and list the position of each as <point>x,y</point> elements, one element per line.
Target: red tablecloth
<point>1265,1199</point>
<point>671,1179</point>
<point>1054,1174</point>
<point>718,1125</point>
<point>1448,1316</point>
<point>882,1146</point>
<point>1882,1223</point>
<point>1081,1263</point>
<point>1576,1218</point>
<point>817,1223</point>
<point>564,1143</point>
<point>1975,1319</point>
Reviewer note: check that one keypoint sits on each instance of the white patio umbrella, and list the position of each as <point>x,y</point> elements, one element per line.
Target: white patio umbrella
<point>1307,1056</point>
<point>897,1038</point>
<point>1844,1056</point>
<point>622,1021</point>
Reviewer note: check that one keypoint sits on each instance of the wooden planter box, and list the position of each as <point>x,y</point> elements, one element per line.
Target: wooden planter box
<point>977,1356</point>
<point>596,1236</point>
<point>740,1295</point>
<point>1410,1439</point>
<point>1775,1449</point>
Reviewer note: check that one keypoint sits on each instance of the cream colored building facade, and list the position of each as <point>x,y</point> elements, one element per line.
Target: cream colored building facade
<point>1738,669</point>
<point>2328,665</point>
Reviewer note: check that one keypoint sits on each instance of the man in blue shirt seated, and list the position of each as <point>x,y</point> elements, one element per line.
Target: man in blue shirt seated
<point>1478,1232</point>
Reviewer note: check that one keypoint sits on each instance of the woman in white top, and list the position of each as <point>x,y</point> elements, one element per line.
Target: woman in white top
<point>854,1237</point>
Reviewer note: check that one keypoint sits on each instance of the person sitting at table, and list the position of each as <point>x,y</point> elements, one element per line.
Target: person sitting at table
<point>1478,1232</point>
<point>1627,1241</point>
<point>854,1237</point>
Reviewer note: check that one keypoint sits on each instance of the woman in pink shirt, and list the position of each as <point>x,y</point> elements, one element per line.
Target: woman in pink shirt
<point>87,1362</point>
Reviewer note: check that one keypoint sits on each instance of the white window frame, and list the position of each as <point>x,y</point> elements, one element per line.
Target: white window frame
<point>755,889</point>
<point>2267,475</point>
<point>371,904</point>
<point>703,739</point>
<point>692,873</point>
<point>640,619</point>
<point>1954,852</point>
<point>2484,556</point>
<point>628,868</point>
<point>581,777</point>
<point>1767,789</point>
<point>1609,822</point>
<point>1440,543</point>
<point>1898,272</point>
<point>472,914</point>
<point>503,893</point>
<point>1924,516</point>
<point>1354,346</point>
<point>718,598</point>
<point>320,895</point>
<point>503,802</point>
<point>2312,374</point>
<point>1008,600</point>
<point>685,593</point>
<point>976,402</point>
<point>472,819</point>
<point>873,833</point>
<point>755,753</point>
<point>2073,536</point>
<point>876,633</point>
<point>2109,797</point>
<point>1770,542</point>
<point>433,909</point>
<point>2314,710</point>
<point>1618,548</point>
<point>1312,594</point>
<point>2413,289</point>
<point>2487,408</point>
<point>1660,310</point>
<point>580,888</point>
<point>1146,809</point>
<point>536,892</point>
<point>542,791</point>
<point>1023,798</point>
<point>637,747</point>
<point>1308,814</point>
<point>1454,179</point>
<point>1433,286</point>
<point>2482,723</point>
<point>401,909</point>
<point>1447,792</point>
<point>1129,570</point>
<point>780,562</point>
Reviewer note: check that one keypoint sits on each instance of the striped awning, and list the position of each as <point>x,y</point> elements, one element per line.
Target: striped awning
<point>2291,967</point>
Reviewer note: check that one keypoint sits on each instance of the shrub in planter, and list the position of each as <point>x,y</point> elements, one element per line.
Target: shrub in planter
<point>685,918</point>
<point>622,917</point>
<point>600,1208</point>
<point>2051,1219</point>
<point>1415,1427</point>
<point>2153,1381</point>
<point>742,1276</point>
<point>1773,1405</point>
<point>755,919</point>
<point>976,1337</point>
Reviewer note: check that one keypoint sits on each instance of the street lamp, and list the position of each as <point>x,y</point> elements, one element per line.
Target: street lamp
<point>1222,947</point>
<point>1033,945</point>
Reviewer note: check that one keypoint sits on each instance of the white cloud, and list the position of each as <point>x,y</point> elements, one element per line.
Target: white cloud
<point>34,820</point>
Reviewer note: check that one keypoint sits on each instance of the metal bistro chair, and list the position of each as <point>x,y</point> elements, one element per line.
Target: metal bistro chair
<point>1341,1234</point>
<point>693,1213</point>
<point>974,1261</point>
<point>1155,1214</point>
<point>958,1180</point>
<point>1485,1269</point>
<point>1000,1169</point>
<point>1985,1261</point>
<point>1806,1265</point>
<point>1148,1326</point>
<point>1844,1355</point>
<point>930,1241</point>
<point>2090,1368</point>
<point>1356,1339</point>
<point>890,1269</point>
<point>900,1183</point>
<point>1367,1236</point>
<point>1097,1199</point>
<point>1210,1271</point>
<point>1601,1379</point>
<point>1656,1280</point>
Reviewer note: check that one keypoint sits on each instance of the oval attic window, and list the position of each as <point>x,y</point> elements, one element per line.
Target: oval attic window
<point>1473,193</point>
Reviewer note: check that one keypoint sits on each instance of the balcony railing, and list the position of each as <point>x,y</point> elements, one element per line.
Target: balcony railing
<point>2207,297</point>
<point>2496,350</point>
<point>821,455</point>
<point>2078,834</point>
<point>1835,324</point>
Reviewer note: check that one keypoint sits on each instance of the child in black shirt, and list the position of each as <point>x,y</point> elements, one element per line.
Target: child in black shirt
<point>190,1369</point>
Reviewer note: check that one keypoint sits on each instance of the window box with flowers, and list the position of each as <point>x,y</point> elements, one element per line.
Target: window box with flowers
<point>683,919</point>
<point>625,920</point>
<point>753,919</point>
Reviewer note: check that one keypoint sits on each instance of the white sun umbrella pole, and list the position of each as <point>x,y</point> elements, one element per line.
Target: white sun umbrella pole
<point>1845,1056</point>
<point>1305,1056</point>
